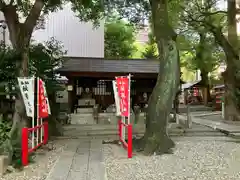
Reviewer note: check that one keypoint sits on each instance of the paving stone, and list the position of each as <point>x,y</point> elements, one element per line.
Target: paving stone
<point>81,160</point>
<point>77,175</point>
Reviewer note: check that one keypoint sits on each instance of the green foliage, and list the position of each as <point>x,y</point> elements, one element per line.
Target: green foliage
<point>199,50</point>
<point>44,59</point>
<point>8,59</point>
<point>135,11</point>
<point>119,39</point>
<point>151,51</point>
<point>5,127</point>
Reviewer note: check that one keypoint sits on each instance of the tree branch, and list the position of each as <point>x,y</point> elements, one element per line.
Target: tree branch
<point>32,18</point>
<point>12,21</point>
<point>2,4</point>
<point>11,2</point>
<point>213,13</point>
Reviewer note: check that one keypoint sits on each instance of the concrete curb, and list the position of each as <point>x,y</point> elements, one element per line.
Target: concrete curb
<point>208,114</point>
<point>218,126</point>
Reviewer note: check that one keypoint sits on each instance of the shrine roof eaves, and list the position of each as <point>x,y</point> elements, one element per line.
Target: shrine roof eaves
<point>87,64</point>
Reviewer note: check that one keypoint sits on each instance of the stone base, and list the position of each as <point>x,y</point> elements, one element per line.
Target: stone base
<point>3,164</point>
<point>82,118</point>
<point>84,110</point>
<point>111,118</point>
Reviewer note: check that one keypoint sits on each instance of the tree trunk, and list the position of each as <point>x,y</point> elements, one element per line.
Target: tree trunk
<point>231,76</point>
<point>232,88</point>
<point>231,80</point>
<point>205,84</point>
<point>19,117</point>
<point>156,139</point>
<point>160,102</point>
<point>20,35</point>
<point>55,127</point>
<point>202,65</point>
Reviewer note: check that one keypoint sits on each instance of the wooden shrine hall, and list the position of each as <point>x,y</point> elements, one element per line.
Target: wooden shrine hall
<point>90,80</point>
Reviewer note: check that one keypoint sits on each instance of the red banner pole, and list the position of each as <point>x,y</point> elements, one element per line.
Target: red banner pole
<point>129,98</point>
<point>129,141</point>
<point>24,146</point>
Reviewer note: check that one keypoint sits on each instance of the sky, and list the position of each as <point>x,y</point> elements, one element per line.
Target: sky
<point>222,4</point>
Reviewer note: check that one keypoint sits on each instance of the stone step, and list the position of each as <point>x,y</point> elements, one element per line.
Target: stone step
<point>84,110</point>
<point>79,131</point>
<point>82,119</point>
<point>81,116</point>
<point>194,108</point>
<point>139,134</point>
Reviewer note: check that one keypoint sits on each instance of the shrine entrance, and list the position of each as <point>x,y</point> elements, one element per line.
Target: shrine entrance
<point>90,91</point>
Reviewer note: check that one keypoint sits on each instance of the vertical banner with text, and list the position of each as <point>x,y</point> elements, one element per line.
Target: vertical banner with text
<point>43,104</point>
<point>26,85</point>
<point>123,86</point>
<point>116,97</point>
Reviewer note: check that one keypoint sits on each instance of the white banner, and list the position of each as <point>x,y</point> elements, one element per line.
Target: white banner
<point>26,86</point>
<point>116,97</point>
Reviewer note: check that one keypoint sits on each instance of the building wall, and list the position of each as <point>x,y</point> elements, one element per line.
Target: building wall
<point>80,39</point>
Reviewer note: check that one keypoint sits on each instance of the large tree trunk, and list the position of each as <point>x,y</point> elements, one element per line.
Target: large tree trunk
<point>20,35</point>
<point>231,75</point>
<point>205,84</point>
<point>161,100</point>
<point>231,103</point>
<point>19,117</point>
<point>156,139</point>
<point>201,64</point>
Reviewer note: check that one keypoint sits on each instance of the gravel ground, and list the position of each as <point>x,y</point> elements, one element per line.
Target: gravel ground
<point>43,162</point>
<point>193,159</point>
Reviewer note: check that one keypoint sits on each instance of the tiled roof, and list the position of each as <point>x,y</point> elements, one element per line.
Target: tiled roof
<point>76,64</point>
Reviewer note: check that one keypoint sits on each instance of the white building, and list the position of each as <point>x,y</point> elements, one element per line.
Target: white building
<point>80,39</point>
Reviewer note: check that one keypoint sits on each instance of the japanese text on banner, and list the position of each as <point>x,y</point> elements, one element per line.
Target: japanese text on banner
<point>26,86</point>
<point>123,92</point>
<point>43,110</point>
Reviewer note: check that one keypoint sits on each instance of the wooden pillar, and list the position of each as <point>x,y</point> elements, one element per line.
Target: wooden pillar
<point>70,89</point>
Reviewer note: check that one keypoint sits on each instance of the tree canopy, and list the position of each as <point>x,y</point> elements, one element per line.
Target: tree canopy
<point>119,38</point>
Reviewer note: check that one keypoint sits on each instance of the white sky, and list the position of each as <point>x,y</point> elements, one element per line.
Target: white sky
<point>222,4</point>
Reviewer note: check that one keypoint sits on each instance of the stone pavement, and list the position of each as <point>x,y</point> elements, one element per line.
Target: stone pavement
<point>82,159</point>
<point>206,120</point>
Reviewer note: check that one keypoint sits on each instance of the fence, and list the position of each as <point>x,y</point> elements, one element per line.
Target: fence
<point>43,127</point>
<point>127,145</point>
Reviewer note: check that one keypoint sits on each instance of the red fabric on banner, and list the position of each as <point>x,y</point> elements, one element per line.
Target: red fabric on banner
<point>123,92</point>
<point>195,92</point>
<point>42,103</point>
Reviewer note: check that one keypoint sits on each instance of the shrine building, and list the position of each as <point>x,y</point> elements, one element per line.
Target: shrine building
<point>90,80</point>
